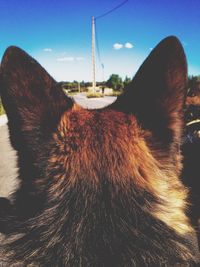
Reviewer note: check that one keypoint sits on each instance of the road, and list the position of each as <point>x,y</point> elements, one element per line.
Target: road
<point>8,157</point>
<point>93,103</point>
<point>8,168</point>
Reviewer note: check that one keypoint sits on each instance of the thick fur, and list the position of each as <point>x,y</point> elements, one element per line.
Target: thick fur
<point>98,187</point>
<point>191,178</point>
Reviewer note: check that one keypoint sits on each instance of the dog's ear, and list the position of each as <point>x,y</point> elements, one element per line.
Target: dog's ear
<point>31,97</point>
<point>157,93</point>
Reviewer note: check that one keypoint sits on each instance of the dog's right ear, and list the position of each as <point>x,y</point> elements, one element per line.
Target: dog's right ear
<point>157,93</point>
<point>33,100</point>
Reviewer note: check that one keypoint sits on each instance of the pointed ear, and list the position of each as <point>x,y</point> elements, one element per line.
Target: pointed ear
<point>157,93</point>
<point>32,99</point>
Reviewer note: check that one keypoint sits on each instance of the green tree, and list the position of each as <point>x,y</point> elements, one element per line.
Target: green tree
<point>193,85</point>
<point>127,82</point>
<point>115,82</point>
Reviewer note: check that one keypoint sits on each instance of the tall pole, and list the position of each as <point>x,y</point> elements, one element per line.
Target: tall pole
<point>79,87</point>
<point>93,56</point>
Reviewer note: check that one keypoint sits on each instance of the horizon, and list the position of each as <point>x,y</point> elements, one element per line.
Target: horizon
<point>58,34</point>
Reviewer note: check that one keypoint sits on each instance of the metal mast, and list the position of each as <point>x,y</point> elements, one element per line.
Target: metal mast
<point>93,56</point>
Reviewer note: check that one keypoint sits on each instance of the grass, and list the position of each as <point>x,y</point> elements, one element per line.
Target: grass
<point>2,111</point>
<point>113,93</point>
<point>98,94</point>
<point>72,93</point>
<point>94,95</point>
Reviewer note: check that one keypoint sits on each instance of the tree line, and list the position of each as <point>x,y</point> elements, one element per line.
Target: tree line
<point>114,81</point>
<point>118,84</point>
<point>193,86</point>
<point>193,99</point>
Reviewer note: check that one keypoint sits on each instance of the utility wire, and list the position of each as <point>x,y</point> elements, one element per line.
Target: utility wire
<point>97,43</point>
<point>98,50</point>
<point>112,10</point>
<point>96,35</point>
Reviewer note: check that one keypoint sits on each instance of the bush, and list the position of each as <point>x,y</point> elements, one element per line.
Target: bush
<point>94,95</point>
<point>113,93</point>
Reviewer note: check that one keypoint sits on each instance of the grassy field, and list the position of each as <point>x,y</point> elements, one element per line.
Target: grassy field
<point>116,93</point>
<point>98,94</point>
<point>2,111</point>
<point>94,95</point>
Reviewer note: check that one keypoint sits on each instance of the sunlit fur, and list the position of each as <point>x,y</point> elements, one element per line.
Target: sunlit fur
<point>92,142</point>
<point>99,188</point>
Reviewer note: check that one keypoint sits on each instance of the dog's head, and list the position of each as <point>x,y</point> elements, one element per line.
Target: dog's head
<point>134,140</point>
<point>102,172</point>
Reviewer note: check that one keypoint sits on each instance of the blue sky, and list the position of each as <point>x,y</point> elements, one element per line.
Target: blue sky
<point>58,33</point>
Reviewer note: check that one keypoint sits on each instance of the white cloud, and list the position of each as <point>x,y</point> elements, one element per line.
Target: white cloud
<point>47,50</point>
<point>62,59</point>
<point>128,45</point>
<point>80,58</point>
<point>81,70</point>
<point>117,46</point>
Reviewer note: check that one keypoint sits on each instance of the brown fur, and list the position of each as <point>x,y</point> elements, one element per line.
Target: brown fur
<point>101,187</point>
<point>84,136</point>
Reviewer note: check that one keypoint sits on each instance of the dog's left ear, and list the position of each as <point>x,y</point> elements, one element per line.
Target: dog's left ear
<point>157,93</point>
<point>33,100</point>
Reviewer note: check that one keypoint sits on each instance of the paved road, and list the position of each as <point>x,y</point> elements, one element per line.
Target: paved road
<point>8,157</point>
<point>3,120</point>
<point>8,170</point>
<point>93,103</point>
